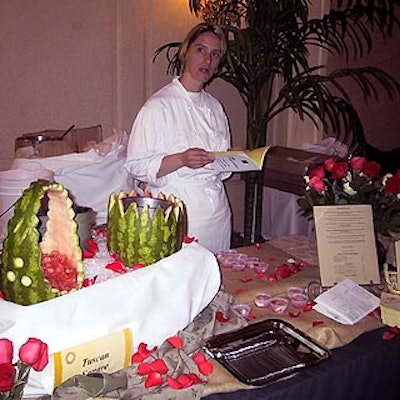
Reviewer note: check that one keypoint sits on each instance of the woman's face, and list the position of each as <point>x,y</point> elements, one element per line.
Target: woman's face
<point>201,61</point>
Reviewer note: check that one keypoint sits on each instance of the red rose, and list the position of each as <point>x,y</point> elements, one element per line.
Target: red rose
<point>372,169</point>
<point>35,353</point>
<point>358,163</point>
<point>339,170</point>
<point>329,163</point>
<point>6,351</point>
<point>318,172</point>
<point>393,184</point>
<point>7,376</point>
<point>317,184</point>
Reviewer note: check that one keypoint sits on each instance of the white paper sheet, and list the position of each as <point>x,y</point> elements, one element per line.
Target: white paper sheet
<point>346,302</point>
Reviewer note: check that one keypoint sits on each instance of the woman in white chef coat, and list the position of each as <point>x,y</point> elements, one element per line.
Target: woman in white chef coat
<point>174,134</point>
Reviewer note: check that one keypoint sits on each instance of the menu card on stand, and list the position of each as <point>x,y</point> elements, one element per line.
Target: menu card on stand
<point>346,244</point>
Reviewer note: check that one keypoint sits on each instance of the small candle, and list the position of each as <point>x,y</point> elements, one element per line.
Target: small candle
<point>262,300</point>
<point>279,304</point>
<point>299,300</point>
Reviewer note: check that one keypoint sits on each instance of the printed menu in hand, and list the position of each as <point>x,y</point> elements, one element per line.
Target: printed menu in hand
<point>240,160</point>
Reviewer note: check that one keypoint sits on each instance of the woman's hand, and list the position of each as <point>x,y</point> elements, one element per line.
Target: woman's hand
<point>196,158</point>
<point>192,158</point>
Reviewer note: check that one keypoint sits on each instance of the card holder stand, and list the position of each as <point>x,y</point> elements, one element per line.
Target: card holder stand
<point>265,351</point>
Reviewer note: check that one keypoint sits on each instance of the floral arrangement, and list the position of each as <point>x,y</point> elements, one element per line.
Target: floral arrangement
<point>14,376</point>
<point>354,181</point>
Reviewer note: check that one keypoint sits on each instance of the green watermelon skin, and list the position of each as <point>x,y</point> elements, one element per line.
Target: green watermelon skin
<point>22,278</point>
<point>137,238</point>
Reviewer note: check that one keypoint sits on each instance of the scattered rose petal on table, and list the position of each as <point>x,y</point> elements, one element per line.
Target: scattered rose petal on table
<point>316,323</point>
<point>153,379</point>
<point>158,365</point>
<point>308,306</point>
<point>395,329</point>
<point>176,342</point>
<point>142,353</point>
<point>246,278</point>
<point>221,317</point>
<point>387,335</point>
<point>173,383</point>
<point>239,291</point>
<point>205,367</point>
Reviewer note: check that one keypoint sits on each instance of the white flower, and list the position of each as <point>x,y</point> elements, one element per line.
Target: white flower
<point>348,189</point>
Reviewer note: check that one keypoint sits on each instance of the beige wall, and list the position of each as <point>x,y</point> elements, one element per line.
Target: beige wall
<point>87,62</point>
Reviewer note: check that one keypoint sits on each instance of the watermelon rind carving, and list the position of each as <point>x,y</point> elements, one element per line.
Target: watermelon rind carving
<point>144,235</point>
<point>35,268</point>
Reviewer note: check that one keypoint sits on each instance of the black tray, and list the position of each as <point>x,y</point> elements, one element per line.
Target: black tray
<point>265,351</point>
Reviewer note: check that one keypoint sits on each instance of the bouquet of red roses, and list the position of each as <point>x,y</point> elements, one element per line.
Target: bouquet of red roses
<point>14,376</point>
<point>354,181</point>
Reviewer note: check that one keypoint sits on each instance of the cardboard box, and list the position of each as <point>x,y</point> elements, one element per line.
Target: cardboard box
<point>77,140</point>
<point>285,168</point>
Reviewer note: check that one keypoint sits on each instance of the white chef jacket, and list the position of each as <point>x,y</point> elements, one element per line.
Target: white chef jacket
<point>171,121</point>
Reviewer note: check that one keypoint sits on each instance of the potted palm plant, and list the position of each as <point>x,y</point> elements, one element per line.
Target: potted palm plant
<point>268,62</point>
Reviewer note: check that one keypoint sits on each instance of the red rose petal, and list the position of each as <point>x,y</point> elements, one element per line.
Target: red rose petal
<point>176,342</point>
<point>206,368</point>
<point>303,264</point>
<point>142,353</point>
<point>195,379</point>
<point>250,316</point>
<point>154,379</point>
<point>144,369</point>
<point>116,266</point>
<point>158,365</point>
<point>185,380</point>
<point>1,295</point>
<point>308,306</point>
<point>246,278</point>
<point>258,246</point>
<point>221,317</point>
<point>388,335</point>
<point>173,383</point>
<point>260,275</point>
<point>188,239</point>
<point>89,282</point>
<point>239,291</point>
<point>199,358</point>
<point>272,278</point>
<point>138,266</point>
<point>137,358</point>
<point>395,329</point>
<point>316,323</point>
<point>283,271</point>
<point>87,254</point>
<point>92,246</point>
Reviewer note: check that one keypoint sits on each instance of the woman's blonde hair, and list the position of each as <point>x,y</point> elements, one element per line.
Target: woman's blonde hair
<point>193,34</point>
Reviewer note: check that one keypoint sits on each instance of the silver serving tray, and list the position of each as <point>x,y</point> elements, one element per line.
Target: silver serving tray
<point>265,351</point>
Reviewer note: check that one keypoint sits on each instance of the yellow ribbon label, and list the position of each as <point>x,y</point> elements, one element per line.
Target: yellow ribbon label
<point>107,354</point>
